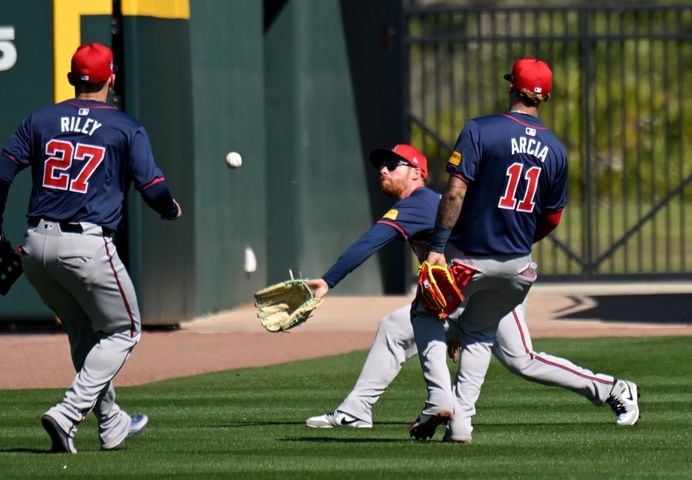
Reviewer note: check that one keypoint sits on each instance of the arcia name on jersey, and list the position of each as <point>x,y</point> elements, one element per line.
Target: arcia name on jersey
<point>529,145</point>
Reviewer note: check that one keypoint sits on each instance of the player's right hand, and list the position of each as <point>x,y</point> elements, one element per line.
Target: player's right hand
<point>435,258</point>
<point>454,350</point>
<point>318,286</point>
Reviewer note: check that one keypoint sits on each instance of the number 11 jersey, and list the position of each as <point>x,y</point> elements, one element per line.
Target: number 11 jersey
<point>516,171</point>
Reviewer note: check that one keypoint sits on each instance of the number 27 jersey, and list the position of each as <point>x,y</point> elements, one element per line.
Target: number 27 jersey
<point>516,171</point>
<point>83,156</point>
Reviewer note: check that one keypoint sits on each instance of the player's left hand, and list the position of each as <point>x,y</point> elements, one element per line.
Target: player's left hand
<point>10,265</point>
<point>180,210</point>
<point>285,305</point>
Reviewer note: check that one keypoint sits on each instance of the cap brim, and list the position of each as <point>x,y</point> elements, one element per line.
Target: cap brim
<point>380,154</point>
<point>507,76</point>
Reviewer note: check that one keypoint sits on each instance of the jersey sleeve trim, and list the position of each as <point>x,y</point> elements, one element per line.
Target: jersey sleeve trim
<point>153,182</point>
<point>460,177</point>
<point>10,156</point>
<point>395,227</point>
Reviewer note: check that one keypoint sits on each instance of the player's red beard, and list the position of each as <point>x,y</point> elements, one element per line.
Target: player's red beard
<point>391,187</point>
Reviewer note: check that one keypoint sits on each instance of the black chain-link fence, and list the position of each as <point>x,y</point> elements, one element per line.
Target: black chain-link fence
<point>620,104</point>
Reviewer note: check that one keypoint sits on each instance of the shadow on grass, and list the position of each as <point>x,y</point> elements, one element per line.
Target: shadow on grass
<point>665,308</point>
<point>574,424</point>
<point>254,424</point>
<point>302,424</point>
<point>29,450</point>
<point>347,440</point>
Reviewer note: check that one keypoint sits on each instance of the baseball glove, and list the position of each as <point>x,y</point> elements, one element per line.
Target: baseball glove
<point>285,305</point>
<point>10,266</point>
<point>437,290</point>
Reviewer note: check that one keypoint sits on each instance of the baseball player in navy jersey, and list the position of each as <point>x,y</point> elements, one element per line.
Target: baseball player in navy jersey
<point>506,190</point>
<point>403,173</point>
<point>83,155</point>
<point>394,342</point>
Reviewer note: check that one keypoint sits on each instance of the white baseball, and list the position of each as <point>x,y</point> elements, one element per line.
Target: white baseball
<point>233,160</point>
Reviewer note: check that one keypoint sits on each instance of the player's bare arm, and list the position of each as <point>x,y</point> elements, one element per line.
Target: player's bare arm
<point>452,200</point>
<point>447,215</point>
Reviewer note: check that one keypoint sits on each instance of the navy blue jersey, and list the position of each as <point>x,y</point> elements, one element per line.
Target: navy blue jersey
<point>411,219</point>
<point>83,156</point>
<point>414,218</point>
<point>516,171</point>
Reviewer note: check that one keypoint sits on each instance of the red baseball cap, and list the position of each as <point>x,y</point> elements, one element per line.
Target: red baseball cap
<point>531,74</point>
<point>403,152</point>
<point>92,63</point>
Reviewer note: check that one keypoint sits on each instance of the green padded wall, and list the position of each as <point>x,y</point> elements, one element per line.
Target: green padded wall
<point>27,86</point>
<point>332,83</point>
<point>228,97</point>
<point>158,91</point>
<point>302,89</point>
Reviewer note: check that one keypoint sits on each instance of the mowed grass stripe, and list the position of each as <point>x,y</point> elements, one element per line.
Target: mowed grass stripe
<point>250,424</point>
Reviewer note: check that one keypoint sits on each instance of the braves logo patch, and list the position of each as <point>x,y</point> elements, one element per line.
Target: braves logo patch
<point>455,159</point>
<point>392,214</point>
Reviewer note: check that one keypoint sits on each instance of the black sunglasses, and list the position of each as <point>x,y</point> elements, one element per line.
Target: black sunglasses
<point>392,163</point>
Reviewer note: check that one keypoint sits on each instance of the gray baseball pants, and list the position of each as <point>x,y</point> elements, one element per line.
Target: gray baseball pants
<point>81,278</point>
<point>493,323</point>
<point>394,344</point>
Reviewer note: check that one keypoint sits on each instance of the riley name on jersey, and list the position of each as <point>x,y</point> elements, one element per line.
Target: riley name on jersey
<point>87,126</point>
<point>530,146</point>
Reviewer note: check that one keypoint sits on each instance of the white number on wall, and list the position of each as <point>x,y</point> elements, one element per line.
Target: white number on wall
<point>8,52</point>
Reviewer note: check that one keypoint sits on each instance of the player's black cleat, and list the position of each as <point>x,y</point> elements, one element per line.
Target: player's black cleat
<point>425,425</point>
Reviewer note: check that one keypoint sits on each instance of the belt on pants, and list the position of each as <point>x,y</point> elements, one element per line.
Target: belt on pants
<point>68,227</point>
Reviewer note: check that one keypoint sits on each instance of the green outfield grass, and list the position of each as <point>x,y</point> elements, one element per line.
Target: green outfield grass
<point>249,424</point>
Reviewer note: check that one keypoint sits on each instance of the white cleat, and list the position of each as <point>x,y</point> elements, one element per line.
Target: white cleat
<point>138,424</point>
<point>458,431</point>
<point>450,438</point>
<point>624,400</point>
<point>336,419</point>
